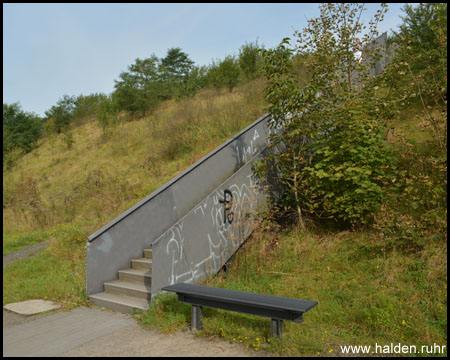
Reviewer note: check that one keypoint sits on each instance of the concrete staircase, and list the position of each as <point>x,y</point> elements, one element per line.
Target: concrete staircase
<point>132,290</point>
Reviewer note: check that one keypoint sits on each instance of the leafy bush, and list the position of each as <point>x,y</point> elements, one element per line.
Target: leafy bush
<point>152,80</point>
<point>138,91</point>
<point>417,78</point>
<point>195,80</point>
<point>106,113</point>
<point>250,60</point>
<point>418,73</point>
<point>62,113</point>
<point>350,168</point>
<point>87,105</point>
<point>330,155</point>
<point>225,73</point>
<point>174,70</point>
<point>21,130</point>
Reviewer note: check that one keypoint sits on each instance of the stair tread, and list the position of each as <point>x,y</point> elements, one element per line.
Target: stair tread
<point>143,260</point>
<point>142,263</point>
<point>129,285</point>
<point>122,299</point>
<point>144,272</point>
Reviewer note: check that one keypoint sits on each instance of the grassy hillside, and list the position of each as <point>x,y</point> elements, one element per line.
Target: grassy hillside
<point>63,194</point>
<point>385,284</point>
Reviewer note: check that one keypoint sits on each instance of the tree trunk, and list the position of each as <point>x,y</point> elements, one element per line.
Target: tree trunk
<point>299,210</point>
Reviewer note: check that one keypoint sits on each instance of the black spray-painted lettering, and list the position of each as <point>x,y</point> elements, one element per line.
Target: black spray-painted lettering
<point>227,207</point>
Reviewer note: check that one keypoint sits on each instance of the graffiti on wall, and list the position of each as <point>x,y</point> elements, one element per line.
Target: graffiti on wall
<point>222,221</point>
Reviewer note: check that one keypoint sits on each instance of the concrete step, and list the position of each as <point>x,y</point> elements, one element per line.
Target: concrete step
<point>143,276</point>
<point>128,288</point>
<point>141,263</point>
<point>148,253</point>
<point>121,303</point>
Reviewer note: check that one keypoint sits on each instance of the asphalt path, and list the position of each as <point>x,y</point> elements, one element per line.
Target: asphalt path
<point>96,331</point>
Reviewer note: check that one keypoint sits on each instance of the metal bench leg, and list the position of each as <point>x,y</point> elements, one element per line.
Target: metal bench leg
<point>196,317</point>
<point>276,327</point>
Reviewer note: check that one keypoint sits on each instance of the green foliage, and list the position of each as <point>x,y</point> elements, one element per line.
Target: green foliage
<point>250,60</point>
<point>18,241</point>
<point>106,113</point>
<point>347,176</point>
<point>174,70</point>
<point>418,72</point>
<point>176,66</point>
<point>57,273</point>
<point>62,113</point>
<point>152,80</point>
<point>424,28</point>
<point>330,156</point>
<point>417,79</point>
<point>157,315</point>
<point>86,105</point>
<point>138,90</point>
<point>224,74</point>
<point>21,130</point>
<point>196,79</point>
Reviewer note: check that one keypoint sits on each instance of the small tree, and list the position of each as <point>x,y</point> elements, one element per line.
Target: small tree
<point>250,60</point>
<point>418,72</point>
<point>195,80</point>
<point>226,73</point>
<point>174,70</point>
<point>106,113</point>
<point>425,27</point>
<point>62,113</point>
<point>138,90</point>
<point>329,154</point>
<point>86,105</point>
<point>21,129</point>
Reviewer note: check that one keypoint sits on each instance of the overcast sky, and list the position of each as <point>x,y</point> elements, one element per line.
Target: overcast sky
<point>54,49</point>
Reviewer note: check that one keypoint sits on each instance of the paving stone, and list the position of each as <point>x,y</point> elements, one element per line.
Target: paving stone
<point>31,307</point>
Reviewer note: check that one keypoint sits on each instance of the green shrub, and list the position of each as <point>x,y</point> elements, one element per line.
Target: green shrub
<point>21,130</point>
<point>330,156</point>
<point>347,175</point>
<point>106,113</point>
<point>62,113</point>
<point>225,74</point>
<point>250,60</point>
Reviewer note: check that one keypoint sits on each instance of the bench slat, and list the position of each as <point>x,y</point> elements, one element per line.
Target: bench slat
<point>242,298</point>
<point>295,316</point>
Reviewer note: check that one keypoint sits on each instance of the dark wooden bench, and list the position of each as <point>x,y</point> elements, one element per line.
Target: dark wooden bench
<point>277,308</point>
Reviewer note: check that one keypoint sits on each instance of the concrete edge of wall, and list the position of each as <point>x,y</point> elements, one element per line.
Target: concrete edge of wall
<point>105,228</point>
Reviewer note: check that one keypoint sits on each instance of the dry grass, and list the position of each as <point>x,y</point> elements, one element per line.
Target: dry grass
<point>101,176</point>
<point>61,195</point>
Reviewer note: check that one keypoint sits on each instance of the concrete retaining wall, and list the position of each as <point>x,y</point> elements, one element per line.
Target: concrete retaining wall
<point>177,205</point>
<point>200,243</point>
